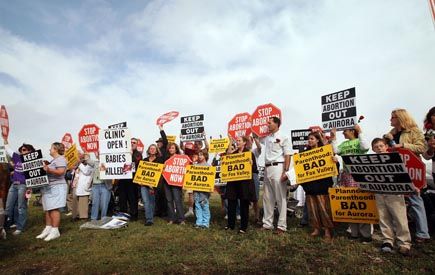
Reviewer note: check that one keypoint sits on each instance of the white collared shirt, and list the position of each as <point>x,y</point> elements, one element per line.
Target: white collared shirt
<point>276,147</point>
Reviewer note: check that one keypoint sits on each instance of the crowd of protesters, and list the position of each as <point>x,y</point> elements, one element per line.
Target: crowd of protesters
<point>82,184</point>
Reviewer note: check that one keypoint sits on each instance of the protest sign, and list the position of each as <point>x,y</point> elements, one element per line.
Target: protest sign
<point>67,140</point>
<point>140,146</point>
<point>171,139</point>
<point>240,125</point>
<point>192,128</point>
<point>339,110</point>
<point>315,164</point>
<point>118,125</point>
<point>415,167</point>
<point>175,169</point>
<point>300,138</point>
<point>379,173</point>
<point>115,140</point>
<point>199,178</point>
<point>88,138</point>
<point>219,145</point>
<point>260,118</point>
<point>165,118</point>
<point>4,122</point>
<point>148,173</point>
<point>350,204</point>
<point>116,166</point>
<point>33,169</point>
<point>236,167</point>
<point>72,156</point>
<point>115,154</point>
<point>3,158</point>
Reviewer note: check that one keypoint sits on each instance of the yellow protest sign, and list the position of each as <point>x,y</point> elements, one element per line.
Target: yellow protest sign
<point>315,164</point>
<point>350,204</point>
<point>148,173</point>
<point>236,167</point>
<point>171,139</point>
<point>199,178</point>
<point>72,156</point>
<point>219,145</point>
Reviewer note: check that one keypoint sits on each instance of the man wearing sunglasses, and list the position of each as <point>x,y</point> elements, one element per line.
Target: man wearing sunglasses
<point>17,190</point>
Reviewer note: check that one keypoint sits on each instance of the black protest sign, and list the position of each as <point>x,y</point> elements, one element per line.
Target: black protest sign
<point>380,173</point>
<point>33,169</point>
<point>192,128</point>
<point>339,110</point>
<point>118,125</point>
<point>300,138</point>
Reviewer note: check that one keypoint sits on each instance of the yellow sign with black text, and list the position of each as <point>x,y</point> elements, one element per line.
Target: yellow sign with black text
<point>148,173</point>
<point>199,178</point>
<point>219,145</point>
<point>350,204</point>
<point>315,164</point>
<point>236,167</point>
<point>72,157</point>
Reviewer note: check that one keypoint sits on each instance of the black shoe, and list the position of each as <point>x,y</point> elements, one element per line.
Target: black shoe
<point>367,240</point>
<point>241,231</point>
<point>228,228</point>
<point>302,225</point>
<point>148,223</point>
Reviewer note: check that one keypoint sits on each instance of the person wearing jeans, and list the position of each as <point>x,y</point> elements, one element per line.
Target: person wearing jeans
<point>149,202</point>
<point>17,190</point>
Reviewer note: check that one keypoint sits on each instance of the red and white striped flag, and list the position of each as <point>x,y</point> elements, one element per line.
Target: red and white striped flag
<point>432,9</point>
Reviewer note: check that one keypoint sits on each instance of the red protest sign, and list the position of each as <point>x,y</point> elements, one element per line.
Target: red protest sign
<point>88,138</point>
<point>166,117</point>
<point>140,146</point>
<point>67,140</point>
<point>175,168</point>
<point>240,125</point>
<point>261,116</point>
<point>4,122</point>
<point>416,168</point>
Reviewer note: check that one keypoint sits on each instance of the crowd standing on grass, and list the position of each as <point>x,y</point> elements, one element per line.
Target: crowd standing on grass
<point>167,201</point>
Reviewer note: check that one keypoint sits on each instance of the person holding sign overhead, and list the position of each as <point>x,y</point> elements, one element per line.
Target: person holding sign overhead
<point>243,190</point>
<point>54,195</point>
<point>317,198</point>
<point>277,161</point>
<point>406,134</point>
<point>17,189</point>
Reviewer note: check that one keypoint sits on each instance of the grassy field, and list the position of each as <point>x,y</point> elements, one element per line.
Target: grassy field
<point>166,248</point>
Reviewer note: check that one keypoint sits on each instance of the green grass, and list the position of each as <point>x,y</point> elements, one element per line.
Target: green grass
<point>166,248</point>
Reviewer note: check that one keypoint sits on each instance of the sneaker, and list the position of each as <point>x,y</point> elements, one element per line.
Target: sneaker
<point>238,217</point>
<point>387,248</point>
<point>13,226</point>
<point>17,232</point>
<point>405,251</point>
<point>366,240</point>
<point>279,232</point>
<point>149,223</point>
<point>54,234</point>
<point>226,217</point>
<point>68,214</point>
<point>44,233</point>
<point>421,240</point>
<point>189,214</point>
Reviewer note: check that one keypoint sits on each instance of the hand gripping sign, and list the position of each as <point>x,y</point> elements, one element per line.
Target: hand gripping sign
<point>261,116</point>
<point>240,125</point>
<point>88,138</point>
<point>200,178</point>
<point>236,167</point>
<point>4,122</point>
<point>165,118</point>
<point>175,169</point>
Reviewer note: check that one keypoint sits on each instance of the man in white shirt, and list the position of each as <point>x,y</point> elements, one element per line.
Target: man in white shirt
<point>277,161</point>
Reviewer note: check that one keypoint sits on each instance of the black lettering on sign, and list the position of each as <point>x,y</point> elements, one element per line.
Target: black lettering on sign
<point>187,119</point>
<point>190,131</point>
<point>236,167</point>
<point>338,96</point>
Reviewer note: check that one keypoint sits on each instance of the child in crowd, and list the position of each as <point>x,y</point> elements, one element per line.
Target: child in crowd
<point>392,214</point>
<point>202,206</point>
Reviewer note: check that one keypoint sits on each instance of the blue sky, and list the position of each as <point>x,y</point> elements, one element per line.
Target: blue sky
<point>67,63</point>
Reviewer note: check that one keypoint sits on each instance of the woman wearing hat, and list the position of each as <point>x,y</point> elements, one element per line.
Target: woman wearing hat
<point>17,189</point>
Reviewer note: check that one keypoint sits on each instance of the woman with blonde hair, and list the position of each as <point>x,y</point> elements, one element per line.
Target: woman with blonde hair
<point>406,134</point>
<point>54,195</point>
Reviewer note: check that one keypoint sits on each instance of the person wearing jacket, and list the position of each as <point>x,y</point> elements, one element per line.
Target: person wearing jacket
<point>406,134</point>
